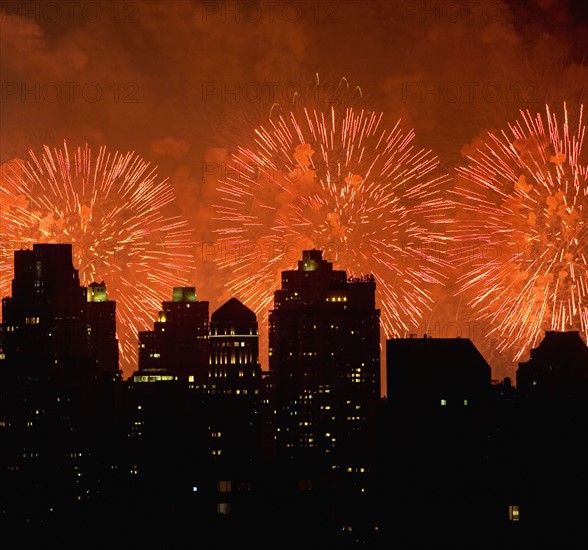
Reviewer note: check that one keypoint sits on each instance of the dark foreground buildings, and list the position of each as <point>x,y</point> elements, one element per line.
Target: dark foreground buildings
<point>324,362</point>
<point>177,347</point>
<point>201,449</point>
<point>52,324</point>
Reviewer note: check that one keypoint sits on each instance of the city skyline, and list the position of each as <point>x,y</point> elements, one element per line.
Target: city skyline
<point>450,80</point>
<point>200,442</point>
<point>184,352</point>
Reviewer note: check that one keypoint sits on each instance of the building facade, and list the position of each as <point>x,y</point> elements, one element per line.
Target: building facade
<point>324,362</point>
<point>178,346</point>
<point>102,331</point>
<point>44,321</point>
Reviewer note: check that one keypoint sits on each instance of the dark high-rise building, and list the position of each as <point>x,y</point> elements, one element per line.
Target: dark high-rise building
<point>558,367</point>
<point>435,434</point>
<point>234,402</point>
<point>55,418</point>
<point>551,424</point>
<point>324,361</point>
<point>102,330</point>
<point>178,346</point>
<point>45,319</point>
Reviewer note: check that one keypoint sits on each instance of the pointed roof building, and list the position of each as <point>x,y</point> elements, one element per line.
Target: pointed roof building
<point>233,311</point>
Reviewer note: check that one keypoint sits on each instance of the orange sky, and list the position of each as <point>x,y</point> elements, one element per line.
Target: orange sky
<point>184,83</point>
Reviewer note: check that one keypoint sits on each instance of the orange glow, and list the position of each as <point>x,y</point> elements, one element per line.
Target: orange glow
<point>524,229</point>
<point>334,180</point>
<point>110,207</point>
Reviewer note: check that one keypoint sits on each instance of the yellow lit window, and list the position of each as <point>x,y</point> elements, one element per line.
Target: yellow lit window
<point>223,508</point>
<point>513,512</point>
<point>224,486</point>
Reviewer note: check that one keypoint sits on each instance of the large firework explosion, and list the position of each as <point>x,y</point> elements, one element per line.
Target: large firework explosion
<point>523,197</point>
<point>111,207</point>
<point>336,180</point>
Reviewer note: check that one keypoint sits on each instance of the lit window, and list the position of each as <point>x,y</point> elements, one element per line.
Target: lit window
<point>224,486</point>
<point>223,508</point>
<point>465,402</point>
<point>513,512</point>
<point>443,402</point>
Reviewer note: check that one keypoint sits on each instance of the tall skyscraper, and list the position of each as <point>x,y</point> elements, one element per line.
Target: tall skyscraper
<point>234,402</point>
<point>234,351</point>
<point>178,346</point>
<point>57,339</point>
<point>45,321</point>
<point>102,331</point>
<point>324,361</point>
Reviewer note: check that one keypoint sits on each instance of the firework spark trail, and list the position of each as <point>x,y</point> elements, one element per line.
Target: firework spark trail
<point>109,206</point>
<point>528,190</point>
<point>334,180</point>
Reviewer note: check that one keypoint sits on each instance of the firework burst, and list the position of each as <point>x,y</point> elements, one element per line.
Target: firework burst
<point>110,207</point>
<point>336,180</point>
<point>523,197</point>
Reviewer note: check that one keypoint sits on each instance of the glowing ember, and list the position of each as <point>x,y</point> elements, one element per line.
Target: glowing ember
<point>110,206</point>
<point>524,201</point>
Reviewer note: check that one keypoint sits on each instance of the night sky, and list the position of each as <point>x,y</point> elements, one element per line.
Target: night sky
<point>183,84</point>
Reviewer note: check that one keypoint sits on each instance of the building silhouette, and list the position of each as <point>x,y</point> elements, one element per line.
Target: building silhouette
<point>178,346</point>
<point>324,362</point>
<point>448,372</point>
<point>58,361</point>
<point>102,331</point>
<point>550,425</point>
<point>235,388</point>
<point>44,321</point>
<point>434,435</point>
<point>557,368</point>
<point>234,351</point>
<point>234,406</point>
<point>214,452</point>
